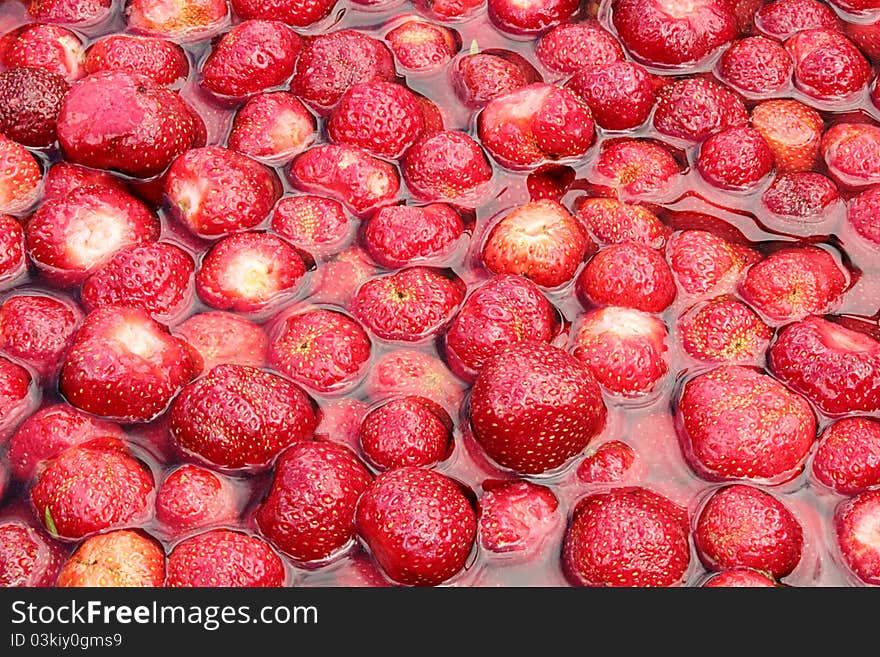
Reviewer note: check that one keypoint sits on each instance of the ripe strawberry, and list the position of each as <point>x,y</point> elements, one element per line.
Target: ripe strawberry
<point>609,463</point>
<point>63,177</point>
<point>835,367</point>
<point>569,47</point>
<point>852,154</point>
<point>38,330</point>
<point>781,19</point>
<point>449,10</point>
<point>411,372</point>
<point>792,130</point>
<point>314,223</point>
<point>30,99</point>
<point>91,488</point>
<point>865,36</point>
<point>332,62</point>
<point>478,77</point>
<point>409,430</point>
<point>828,66</point>
<point>163,61</point>
<point>536,123</point>
<point>422,47</point>
<point>620,95</point>
<point>694,108</point>
<point>126,122</point>
<point>50,47</point>
<point>28,556</point>
<point>803,199</point>
<point>192,497</point>
<point>856,523</point>
<point>221,337</point>
<point>742,526</point>
<point>185,22</point>
<point>628,274</point>
<point>323,350</point>
<point>348,174</point>
<point>309,510</point>
<point>19,177</point>
<point>272,128</point>
<point>627,537</point>
<point>739,578</point>
<point>735,159</point>
<point>125,366</point>
<point>756,66</point>
<point>419,525</point>
<point>17,400</point>
<point>447,166</point>
<point>238,417</point>
<point>74,12</point>
<point>610,221</point>
<point>636,169</point>
<point>530,18</point>
<point>550,182</point>
<point>336,280</point>
<point>517,517</point>
<point>856,6</point>
<point>847,459</point>
<point>862,213</point>
<point>122,557</point>
<point>224,558</point>
<point>401,235</point>
<point>297,13</point>
<point>533,407</point>
<point>705,264</point>
<point>735,422</point>
<point>13,263</point>
<point>724,330</point>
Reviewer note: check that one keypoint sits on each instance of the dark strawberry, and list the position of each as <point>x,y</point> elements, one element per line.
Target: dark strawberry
<point>221,337</point>
<point>847,459</point>
<point>736,422</point>
<point>17,400</point>
<point>30,99</point>
<point>314,223</point>
<point>607,464</point>
<point>122,557</point>
<point>19,177</point>
<point>856,525</point>
<point>705,264</point>
<point>835,367</point>
<point>298,13</point>
<point>478,77</point>
<point>28,556</point>
<point>862,213</point>
<point>238,417</point>
<point>610,222</point>
<point>739,578</point>
<point>636,170</point>
<point>852,154</point>
<point>224,558</point>
<point>447,166</point>
<point>163,61</point>
<point>828,66</point>
<point>569,47</point>
<point>742,526</point>
<point>38,330</point>
<point>735,159</point>
<point>192,497</point>
<point>803,200</point>
<point>412,372</point>
<point>409,430</point>
<point>50,47</point>
<point>627,537</point>
<point>188,21</point>
<point>781,19</point>
<point>530,18</point>
<point>724,330</point>
<point>756,66</point>
<point>401,235</point>
<point>74,12</point>
<point>419,525</point>
<point>620,94</point>
<point>272,127</point>
<point>420,46</point>
<point>792,130</point>
<point>341,421</point>
<point>63,177</point>
<point>517,517</point>
<point>694,108</point>
<point>13,262</point>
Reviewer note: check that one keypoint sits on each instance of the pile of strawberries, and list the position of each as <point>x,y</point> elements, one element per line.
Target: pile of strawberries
<point>422,292</point>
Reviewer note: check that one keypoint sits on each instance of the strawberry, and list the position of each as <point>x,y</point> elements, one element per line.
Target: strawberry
<point>409,305</point>
<point>4,480</point>
<point>249,272</point>
<point>19,177</point>
<point>852,153</point>
<point>411,372</point>
<point>214,191</point>
<point>126,122</point>
<point>91,488</point>
<point>341,421</point>
<point>739,578</point>
<point>694,108</point>
<point>530,18</point>
<point>625,349</point>
<point>742,526</point>
<point>163,61</point>
<point>803,199</point>
<point>381,117</point>
<point>636,169</point>
<point>735,422</point>
<point>28,556</point>
<point>856,523</point>
<point>38,330</point>
<point>550,182</point>
<point>449,10</point>
<point>535,123</point>
<point>792,130</point>
<point>409,430</point>
<point>756,67</point>
<point>401,235</point>
<point>620,95</point>
<point>724,330</point>
<point>856,6</point>
<point>50,431</point>
<point>781,19</point>
<point>865,36</point>
<point>862,213</point>
<point>336,280</point>
<point>221,337</point>
<point>627,537</point>
<point>50,47</point>
<point>607,464</point>
<point>419,525</point>
<point>735,159</point>
<point>533,407</point>
<point>75,12</point>
<point>314,223</point>
<point>309,510</point>
<point>156,277</point>
<point>704,264</point>
<point>224,558</point>
<point>124,366</point>
<point>272,128</point>
<point>847,459</point>
<point>17,400</point>
<point>828,66</point>
<point>540,240</point>
<point>569,47</point>
<point>238,417</point>
<point>610,221</point>
<point>297,13</point>
<point>348,174</point>
<point>478,77</point>
<point>122,557</point>
<point>628,274</point>
<point>323,350</point>
<point>447,166</point>
<point>675,33</point>
<point>191,497</point>
<point>63,177</point>
<point>517,517</point>
<point>30,99</point>
<point>835,367</point>
<point>13,262</point>
<point>252,56</point>
<point>184,22</point>
<point>422,47</point>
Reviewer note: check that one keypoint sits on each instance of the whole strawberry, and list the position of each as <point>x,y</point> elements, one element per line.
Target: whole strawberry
<point>756,66</point>
<point>691,109</point>
<point>122,557</point>
<point>792,130</point>
<point>781,19</point>
<point>13,262</point>
<point>28,556</point>
<point>570,46</point>
<point>620,95</point>
<point>478,77</point>
<point>224,558</point>
<point>297,13</point>
<point>705,264</point>
<point>19,177</point>
<point>724,330</point>
<point>409,430</point>
<point>272,128</point>
<point>447,166</point>
<point>401,235</point>
<point>192,497</point>
<point>516,18</point>
<point>735,159</point>
<point>847,459</point>
<point>163,61</point>
<point>52,48</point>
<point>855,526</point>
<point>30,99</point>
<point>17,398</point>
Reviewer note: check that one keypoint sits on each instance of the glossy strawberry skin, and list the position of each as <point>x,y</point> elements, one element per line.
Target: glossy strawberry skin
<point>401,235</point>
<point>855,524</point>
<point>610,222</point>
<point>40,45</point>
<point>861,212</point>
<point>163,61</point>
<point>852,154</point>
<point>192,497</point>
<point>84,12</point>
<point>705,264</point>
<point>221,558</point>
<point>62,178</point>
<point>28,556</point>
<point>447,166</point>
<point>272,127</point>
<point>479,77</point>
<point>736,159</point>
<point>122,557</point>
<point>756,66</point>
<point>16,397</point>
<point>847,459</point>
<point>792,130</point>
<point>739,578</point>
<point>572,46</point>
<point>635,169</point>
<point>420,46</point>
<point>38,330</point>
<point>828,66</point>
<point>12,251</point>
<point>407,431</point>
<point>517,18</point>
<point>620,95</point>
<point>609,463</point>
<point>517,517</point>
<point>694,108</point>
<point>30,99</point>
<point>412,372</point>
<point>724,330</point>
<point>297,13</point>
<point>783,18</point>
<point>19,177</point>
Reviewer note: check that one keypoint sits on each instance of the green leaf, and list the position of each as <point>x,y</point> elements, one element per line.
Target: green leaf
<point>474,47</point>
<point>50,523</point>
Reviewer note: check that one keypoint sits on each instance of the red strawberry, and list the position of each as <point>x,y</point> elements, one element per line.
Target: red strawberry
<point>13,263</point>
<point>332,62</point>
<point>50,47</point>
<point>28,556</point>
<point>705,264</point>
<point>620,95</point>
<point>221,337</point>
<point>123,557</point>
<point>694,108</point>
<point>77,12</point>
<point>611,222</point>
<point>828,66</point>
<point>781,19</point>
<point>50,431</point>
<point>609,463</point>
<point>298,13</point>
<point>126,122</point>
<point>63,177</point>
<point>188,21</point>
<point>163,61</point>
<point>192,497</point>
<point>735,159</point>
<point>724,330</point>
<point>30,99</point>
<point>409,430</point>
<point>272,127</point>
<point>530,18</point>
<point>856,525</point>
<point>16,398</point>
<point>865,36</point>
<point>224,558</point>
<point>627,537</point>
<point>569,47</point>
<point>636,170</point>
<point>625,349</point>
<point>19,177</point>
<point>735,422</point>
<point>550,182</point>
<point>803,199</point>
<point>478,77</point>
<point>756,66</point>
<point>862,214</point>
<point>847,459</point>
<point>411,372</point>
<point>38,330</point>
<point>401,235</point>
<point>856,6</point>
<point>323,350</point>
<point>253,56</point>
<point>91,488</point>
<point>336,280</point>
<point>348,174</point>
<point>314,223</point>
<point>517,517</point>
<point>742,526</point>
<point>418,524</point>
<point>533,407</point>
<point>309,510</point>
<point>836,368</point>
<point>409,305</point>
<point>450,9</point>
<point>124,366</point>
<point>535,123</point>
<point>447,166</point>
<point>852,154</point>
<point>540,240</point>
<point>341,421</point>
<point>792,130</point>
<point>238,417</point>
<point>420,46</point>
<point>628,274</point>
<point>739,578</point>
